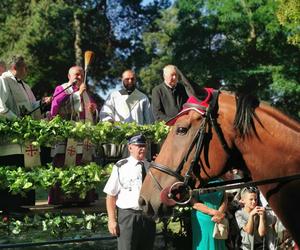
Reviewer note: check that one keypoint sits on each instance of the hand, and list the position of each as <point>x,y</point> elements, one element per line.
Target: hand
<point>47,99</point>
<point>261,211</point>
<point>113,228</point>
<point>154,156</point>
<point>82,88</point>
<point>257,210</point>
<point>218,217</point>
<point>92,107</point>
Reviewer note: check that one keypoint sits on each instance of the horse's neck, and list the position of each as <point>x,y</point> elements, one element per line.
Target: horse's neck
<point>280,118</point>
<point>274,145</point>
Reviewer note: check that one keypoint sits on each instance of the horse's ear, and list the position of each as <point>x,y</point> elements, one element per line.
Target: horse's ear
<point>195,90</point>
<point>192,89</point>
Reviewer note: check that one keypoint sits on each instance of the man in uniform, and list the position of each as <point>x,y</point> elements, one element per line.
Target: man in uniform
<point>125,218</point>
<point>128,104</point>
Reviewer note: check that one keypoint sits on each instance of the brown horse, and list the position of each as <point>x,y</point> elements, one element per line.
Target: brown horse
<point>233,132</point>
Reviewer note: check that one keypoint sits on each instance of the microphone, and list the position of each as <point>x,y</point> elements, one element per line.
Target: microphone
<point>74,82</point>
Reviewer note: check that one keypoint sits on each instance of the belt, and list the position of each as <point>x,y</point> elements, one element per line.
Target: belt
<point>136,211</point>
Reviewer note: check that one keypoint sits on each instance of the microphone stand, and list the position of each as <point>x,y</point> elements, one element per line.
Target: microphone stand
<point>42,104</point>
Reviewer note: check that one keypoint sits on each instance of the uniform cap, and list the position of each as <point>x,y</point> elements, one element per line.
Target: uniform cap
<point>138,140</point>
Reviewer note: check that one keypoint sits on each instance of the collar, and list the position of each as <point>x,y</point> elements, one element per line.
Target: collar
<point>19,80</point>
<point>126,92</point>
<point>170,86</point>
<point>134,161</point>
<point>8,74</point>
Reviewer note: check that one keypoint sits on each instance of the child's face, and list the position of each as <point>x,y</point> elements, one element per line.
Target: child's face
<point>249,200</point>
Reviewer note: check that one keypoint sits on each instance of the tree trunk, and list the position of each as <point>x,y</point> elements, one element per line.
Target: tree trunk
<point>77,42</point>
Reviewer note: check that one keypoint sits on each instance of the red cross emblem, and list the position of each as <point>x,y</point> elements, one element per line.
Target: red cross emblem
<point>31,150</point>
<point>71,150</point>
<point>87,145</point>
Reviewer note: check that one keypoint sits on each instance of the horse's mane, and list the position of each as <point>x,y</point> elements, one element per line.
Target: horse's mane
<point>245,112</point>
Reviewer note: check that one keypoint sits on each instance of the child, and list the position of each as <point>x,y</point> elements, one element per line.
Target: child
<point>251,220</point>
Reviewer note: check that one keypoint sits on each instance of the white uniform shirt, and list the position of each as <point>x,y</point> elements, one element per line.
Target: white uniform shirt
<point>127,108</point>
<point>125,183</point>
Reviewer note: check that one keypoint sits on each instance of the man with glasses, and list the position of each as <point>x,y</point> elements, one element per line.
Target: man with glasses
<point>125,217</point>
<point>128,104</point>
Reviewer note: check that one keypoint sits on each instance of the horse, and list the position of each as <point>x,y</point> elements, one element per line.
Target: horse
<point>227,130</point>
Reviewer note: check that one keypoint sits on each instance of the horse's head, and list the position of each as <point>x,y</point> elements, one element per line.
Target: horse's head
<point>185,158</point>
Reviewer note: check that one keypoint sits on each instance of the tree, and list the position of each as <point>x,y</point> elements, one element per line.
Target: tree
<point>44,32</point>
<point>289,16</point>
<point>53,35</point>
<point>159,47</point>
<point>237,45</point>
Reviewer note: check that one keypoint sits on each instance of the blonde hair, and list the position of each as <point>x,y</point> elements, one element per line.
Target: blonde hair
<point>169,67</point>
<point>248,190</point>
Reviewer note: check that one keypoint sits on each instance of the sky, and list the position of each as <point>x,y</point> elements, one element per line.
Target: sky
<point>118,86</point>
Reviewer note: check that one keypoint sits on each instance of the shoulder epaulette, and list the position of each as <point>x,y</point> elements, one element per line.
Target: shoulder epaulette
<point>120,163</point>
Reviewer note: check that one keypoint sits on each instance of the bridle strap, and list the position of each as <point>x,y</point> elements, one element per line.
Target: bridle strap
<point>160,188</point>
<point>199,146</point>
<point>166,170</point>
<point>212,117</point>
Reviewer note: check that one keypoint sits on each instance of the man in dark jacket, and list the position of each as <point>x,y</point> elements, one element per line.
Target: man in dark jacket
<point>169,96</point>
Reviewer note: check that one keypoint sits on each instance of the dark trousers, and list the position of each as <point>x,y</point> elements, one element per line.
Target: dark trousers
<point>136,230</point>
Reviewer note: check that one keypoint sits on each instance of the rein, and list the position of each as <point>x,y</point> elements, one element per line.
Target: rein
<point>225,186</point>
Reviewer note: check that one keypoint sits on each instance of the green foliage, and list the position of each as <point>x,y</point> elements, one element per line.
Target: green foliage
<point>49,132</point>
<point>289,16</point>
<point>237,45</point>
<point>45,33</point>
<point>159,46</point>
<point>57,226</point>
<point>75,179</point>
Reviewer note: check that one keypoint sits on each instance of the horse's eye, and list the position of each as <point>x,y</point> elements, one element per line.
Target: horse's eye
<point>181,131</point>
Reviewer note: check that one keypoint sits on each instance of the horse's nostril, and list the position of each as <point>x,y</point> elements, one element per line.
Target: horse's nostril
<point>142,201</point>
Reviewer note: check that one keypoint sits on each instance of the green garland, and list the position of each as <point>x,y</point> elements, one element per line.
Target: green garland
<point>55,225</point>
<point>45,133</point>
<point>78,179</point>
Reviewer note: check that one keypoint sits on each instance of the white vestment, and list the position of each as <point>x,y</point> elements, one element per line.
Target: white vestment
<point>16,99</point>
<point>122,107</point>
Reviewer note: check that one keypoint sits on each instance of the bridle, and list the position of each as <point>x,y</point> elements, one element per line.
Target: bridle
<point>209,117</point>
